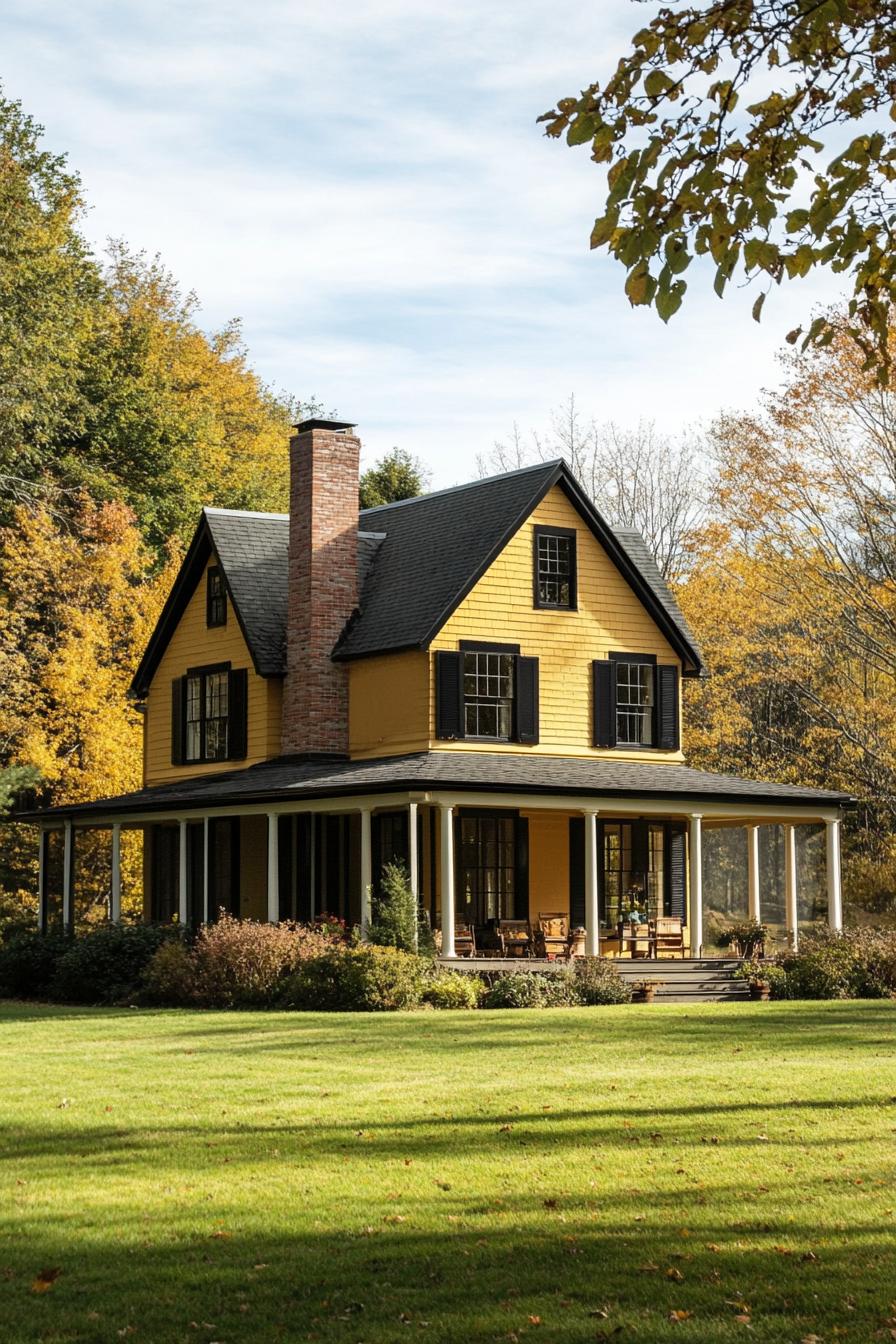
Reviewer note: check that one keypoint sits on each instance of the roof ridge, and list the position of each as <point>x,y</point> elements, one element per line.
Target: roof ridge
<point>550,463</point>
<point>245,513</point>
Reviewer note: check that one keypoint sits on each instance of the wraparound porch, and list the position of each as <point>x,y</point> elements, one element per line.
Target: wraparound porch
<point>503,855</point>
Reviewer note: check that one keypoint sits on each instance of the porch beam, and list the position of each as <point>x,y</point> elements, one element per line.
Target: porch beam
<point>609,806</point>
<point>592,903</point>
<point>68,876</point>
<point>273,869</point>
<point>835,896</point>
<point>695,881</point>
<point>753,898</point>
<point>115,891</point>
<point>366,869</point>
<point>790,887</point>
<point>183,905</point>
<point>446,818</point>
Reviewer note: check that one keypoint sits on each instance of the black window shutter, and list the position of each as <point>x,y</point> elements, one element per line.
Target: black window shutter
<point>604,698</point>
<point>676,883</point>
<point>577,872</point>
<point>178,712</point>
<point>449,695</point>
<point>527,700</point>
<point>521,894</point>
<point>237,714</point>
<point>667,736</point>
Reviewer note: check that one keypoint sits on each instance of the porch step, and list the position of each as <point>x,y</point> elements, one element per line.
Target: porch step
<point>694,980</point>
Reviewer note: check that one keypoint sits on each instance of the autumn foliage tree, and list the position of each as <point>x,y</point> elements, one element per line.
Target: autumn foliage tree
<point>757,134</point>
<point>77,606</point>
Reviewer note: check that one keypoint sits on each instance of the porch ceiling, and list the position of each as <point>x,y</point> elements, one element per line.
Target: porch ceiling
<point>517,780</point>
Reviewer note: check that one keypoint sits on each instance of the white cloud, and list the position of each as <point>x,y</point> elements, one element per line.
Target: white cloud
<point>366,185</point>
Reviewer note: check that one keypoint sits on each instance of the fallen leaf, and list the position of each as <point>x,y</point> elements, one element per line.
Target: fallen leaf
<point>535,1320</point>
<point>674,1274</point>
<point>549,1203</point>
<point>443,1185</point>
<point>678,1316</point>
<point>711,1246</point>
<point>743,1320</point>
<point>44,1280</point>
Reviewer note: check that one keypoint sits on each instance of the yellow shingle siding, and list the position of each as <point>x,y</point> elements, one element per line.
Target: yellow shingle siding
<point>193,644</point>
<point>609,618</point>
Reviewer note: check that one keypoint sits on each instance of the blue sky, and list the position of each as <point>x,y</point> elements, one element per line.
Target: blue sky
<point>365,185</point>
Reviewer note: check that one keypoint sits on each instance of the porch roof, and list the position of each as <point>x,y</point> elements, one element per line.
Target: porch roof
<point>296,779</point>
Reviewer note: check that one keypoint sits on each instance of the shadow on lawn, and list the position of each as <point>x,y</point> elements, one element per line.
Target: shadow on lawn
<point>468,1273</point>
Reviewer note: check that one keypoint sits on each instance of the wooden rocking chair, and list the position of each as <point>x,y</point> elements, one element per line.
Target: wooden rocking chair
<point>552,936</point>
<point>515,937</point>
<point>667,935</point>
<point>464,940</point>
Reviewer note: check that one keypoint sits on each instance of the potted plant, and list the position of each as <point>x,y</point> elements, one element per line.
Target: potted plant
<point>760,989</point>
<point>577,941</point>
<point>644,991</point>
<point>746,938</point>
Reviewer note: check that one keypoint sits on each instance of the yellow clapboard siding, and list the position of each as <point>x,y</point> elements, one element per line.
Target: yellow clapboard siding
<point>610,618</point>
<point>389,704</point>
<point>193,644</point>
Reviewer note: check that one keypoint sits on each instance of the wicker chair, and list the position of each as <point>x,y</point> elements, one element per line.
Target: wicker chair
<point>552,935</point>
<point>515,937</point>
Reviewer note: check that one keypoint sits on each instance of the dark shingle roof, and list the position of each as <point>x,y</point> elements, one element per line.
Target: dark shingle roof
<point>294,780</point>
<point>417,560</point>
<point>436,546</point>
<point>253,550</point>
<point>641,556</point>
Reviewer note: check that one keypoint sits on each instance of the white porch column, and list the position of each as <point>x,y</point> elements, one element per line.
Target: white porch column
<point>42,920</point>
<point>414,866</point>
<point>206,828</point>
<point>835,898</point>
<point>753,873</point>
<point>695,882</point>
<point>183,905</point>
<point>447,873</point>
<point>68,876</point>
<point>592,904</point>
<point>366,870</point>
<point>790,888</point>
<point>115,893</point>
<point>273,870</point>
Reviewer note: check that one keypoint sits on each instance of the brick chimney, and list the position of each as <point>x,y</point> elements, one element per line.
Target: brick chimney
<point>324,458</point>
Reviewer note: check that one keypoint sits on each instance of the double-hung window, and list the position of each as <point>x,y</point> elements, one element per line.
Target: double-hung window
<point>215,598</point>
<point>206,704</point>
<point>635,702</point>
<point>555,568</point>
<point>488,695</point>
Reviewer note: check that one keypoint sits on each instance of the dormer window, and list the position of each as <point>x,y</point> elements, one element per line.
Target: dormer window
<point>216,598</point>
<point>555,568</point>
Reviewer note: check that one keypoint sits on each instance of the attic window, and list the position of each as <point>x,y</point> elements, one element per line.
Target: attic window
<point>216,599</point>
<point>555,568</point>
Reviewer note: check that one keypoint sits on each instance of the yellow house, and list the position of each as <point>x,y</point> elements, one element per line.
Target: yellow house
<point>483,683</point>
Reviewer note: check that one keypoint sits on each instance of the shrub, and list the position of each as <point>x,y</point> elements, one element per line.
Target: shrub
<point>366,978</point>
<point>598,981</point>
<point>454,989</point>
<point>765,972</point>
<point>517,989</point>
<point>107,964</point>
<point>244,964</point>
<point>396,918</point>
<point>170,976</point>
<point>28,962</point>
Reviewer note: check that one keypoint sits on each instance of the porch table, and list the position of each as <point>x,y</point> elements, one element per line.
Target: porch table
<point>634,937</point>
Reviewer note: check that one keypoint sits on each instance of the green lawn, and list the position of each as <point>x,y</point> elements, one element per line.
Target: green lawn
<point>535,1176</point>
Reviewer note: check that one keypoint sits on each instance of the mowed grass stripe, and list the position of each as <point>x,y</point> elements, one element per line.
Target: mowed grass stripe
<point>647,1173</point>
